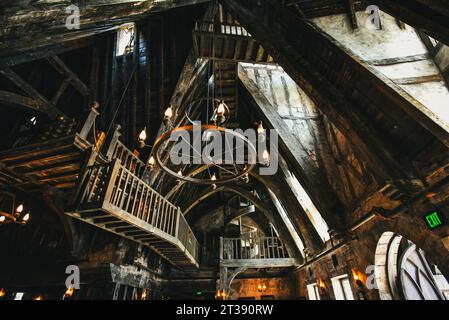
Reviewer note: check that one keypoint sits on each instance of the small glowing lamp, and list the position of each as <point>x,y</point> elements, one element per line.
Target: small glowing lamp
<point>19,209</point>
<point>143,134</point>
<point>260,128</point>
<point>168,113</point>
<point>26,218</point>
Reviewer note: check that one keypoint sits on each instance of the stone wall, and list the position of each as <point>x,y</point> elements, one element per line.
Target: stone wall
<point>278,288</point>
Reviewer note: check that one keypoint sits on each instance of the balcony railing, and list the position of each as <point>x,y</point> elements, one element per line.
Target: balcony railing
<point>253,248</point>
<point>118,189</point>
<point>225,29</point>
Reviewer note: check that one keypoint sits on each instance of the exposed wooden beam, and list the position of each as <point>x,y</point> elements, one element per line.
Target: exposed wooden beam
<point>261,263</point>
<point>46,51</point>
<point>17,100</point>
<point>27,88</point>
<point>352,15</point>
<point>334,89</point>
<point>310,176</point>
<point>62,68</point>
<point>432,17</point>
<point>396,60</point>
<point>422,79</point>
<point>40,25</point>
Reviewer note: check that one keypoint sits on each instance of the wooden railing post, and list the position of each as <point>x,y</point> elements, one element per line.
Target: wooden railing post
<point>221,248</point>
<point>88,124</point>
<point>110,182</point>
<point>178,217</point>
<point>112,143</point>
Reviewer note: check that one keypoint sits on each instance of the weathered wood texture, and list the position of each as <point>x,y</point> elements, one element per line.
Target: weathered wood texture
<point>430,16</point>
<point>385,125</point>
<point>39,25</point>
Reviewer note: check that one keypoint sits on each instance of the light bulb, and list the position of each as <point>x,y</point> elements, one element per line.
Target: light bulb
<point>266,155</point>
<point>168,113</point>
<point>221,109</point>
<point>2,218</point>
<point>260,128</point>
<point>143,135</point>
<point>26,217</point>
<point>179,173</point>
<point>19,209</point>
<point>69,292</point>
<point>214,178</point>
<point>151,161</point>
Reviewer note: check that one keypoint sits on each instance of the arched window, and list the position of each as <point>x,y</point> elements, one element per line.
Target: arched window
<point>403,272</point>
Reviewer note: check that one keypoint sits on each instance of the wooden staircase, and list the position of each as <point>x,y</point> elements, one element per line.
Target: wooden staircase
<point>115,196</point>
<point>110,185</point>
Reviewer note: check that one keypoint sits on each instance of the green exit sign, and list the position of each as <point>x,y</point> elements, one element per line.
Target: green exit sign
<point>434,220</point>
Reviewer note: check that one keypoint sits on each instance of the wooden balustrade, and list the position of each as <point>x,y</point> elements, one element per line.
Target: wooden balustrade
<point>117,188</point>
<point>226,29</point>
<point>253,248</point>
<point>129,160</point>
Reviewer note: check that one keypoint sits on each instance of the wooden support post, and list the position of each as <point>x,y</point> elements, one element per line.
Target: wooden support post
<point>352,14</point>
<point>17,100</point>
<point>89,123</point>
<point>28,89</point>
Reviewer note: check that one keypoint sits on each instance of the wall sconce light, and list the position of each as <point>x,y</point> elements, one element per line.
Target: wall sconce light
<point>321,283</point>
<point>358,278</point>
<point>220,295</point>
<point>68,293</point>
<point>2,292</point>
<point>262,287</point>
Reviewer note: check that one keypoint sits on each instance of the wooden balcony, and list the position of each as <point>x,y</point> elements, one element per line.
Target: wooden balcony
<point>255,252</point>
<point>231,43</point>
<point>51,155</point>
<point>116,198</point>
